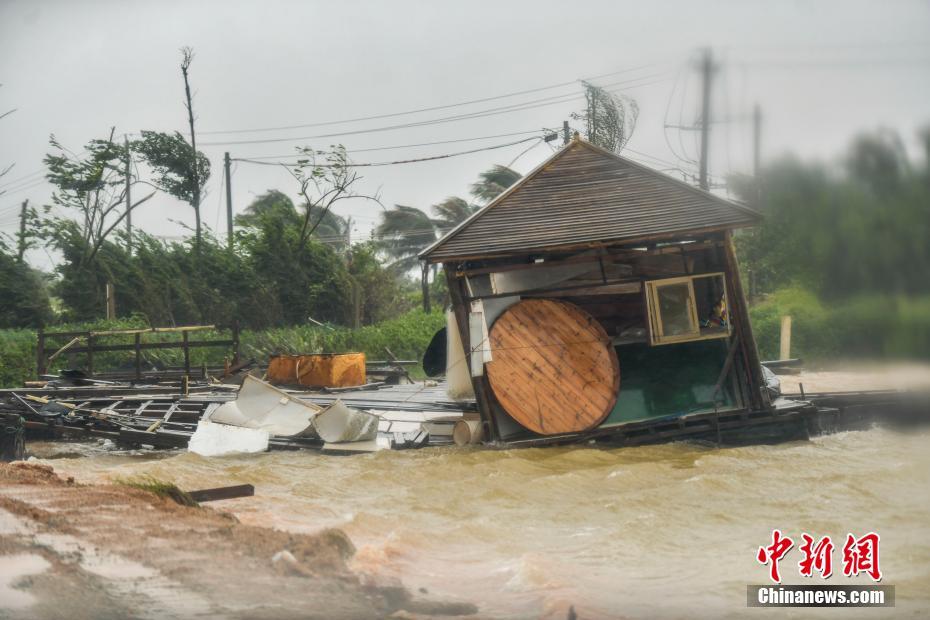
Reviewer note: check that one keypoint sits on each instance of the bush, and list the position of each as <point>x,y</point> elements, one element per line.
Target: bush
<point>864,327</point>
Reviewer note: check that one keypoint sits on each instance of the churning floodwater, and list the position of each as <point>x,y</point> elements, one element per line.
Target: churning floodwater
<point>651,532</point>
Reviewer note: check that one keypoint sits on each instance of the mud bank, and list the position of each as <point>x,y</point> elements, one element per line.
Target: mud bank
<point>108,551</point>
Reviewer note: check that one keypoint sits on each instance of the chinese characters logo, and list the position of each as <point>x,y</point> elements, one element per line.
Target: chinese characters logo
<point>860,555</point>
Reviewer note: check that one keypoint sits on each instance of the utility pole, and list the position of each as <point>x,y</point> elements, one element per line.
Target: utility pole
<point>756,139</point>
<point>229,213</point>
<point>707,71</point>
<point>128,198</point>
<point>21,241</point>
<point>566,133</point>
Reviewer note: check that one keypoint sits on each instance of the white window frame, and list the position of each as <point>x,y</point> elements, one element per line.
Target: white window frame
<point>656,335</point>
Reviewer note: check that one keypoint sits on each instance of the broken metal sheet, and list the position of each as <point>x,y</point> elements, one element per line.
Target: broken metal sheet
<point>354,447</point>
<point>339,423</point>
<point>212,439</point>
<point>261,405</point>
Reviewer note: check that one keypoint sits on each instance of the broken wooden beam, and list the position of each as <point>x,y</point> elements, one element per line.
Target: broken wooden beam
<point>230,492</point>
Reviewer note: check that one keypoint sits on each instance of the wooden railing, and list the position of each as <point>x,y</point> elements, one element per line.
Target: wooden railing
<point>87,342</point>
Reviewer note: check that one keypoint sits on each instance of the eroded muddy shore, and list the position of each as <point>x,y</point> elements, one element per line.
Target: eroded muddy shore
<point>109,551</point>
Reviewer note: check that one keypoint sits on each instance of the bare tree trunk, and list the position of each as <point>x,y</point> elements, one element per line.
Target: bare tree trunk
<point>188,56</point>
<point>424,284</point>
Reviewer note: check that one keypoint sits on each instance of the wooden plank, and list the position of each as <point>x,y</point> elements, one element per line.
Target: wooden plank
<point>153,345</point>
<point>553,370</point>
<point>230,492</point>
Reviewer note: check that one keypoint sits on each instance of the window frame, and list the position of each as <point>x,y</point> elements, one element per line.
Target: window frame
<point>654,312</point>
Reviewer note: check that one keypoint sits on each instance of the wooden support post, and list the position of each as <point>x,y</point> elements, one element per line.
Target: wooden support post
<point>785,339</point>
<point>187,353</point>
<point>458,294</point>
<point>90,354</point>
<point>138,345</point>
<point>739,316</point>
<point>40,353</point>
<point>111,301</point>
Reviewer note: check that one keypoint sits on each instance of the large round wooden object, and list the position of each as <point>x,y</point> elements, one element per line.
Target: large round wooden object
<point>553,368</point>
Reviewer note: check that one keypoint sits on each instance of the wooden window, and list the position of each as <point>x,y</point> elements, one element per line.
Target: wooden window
<point>687,308</point>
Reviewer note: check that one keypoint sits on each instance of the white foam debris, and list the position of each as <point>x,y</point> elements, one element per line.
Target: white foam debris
<point>213,439</point>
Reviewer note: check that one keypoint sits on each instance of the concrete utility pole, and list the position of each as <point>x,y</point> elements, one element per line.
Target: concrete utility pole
<point>707,71</point>
<point>21,241</point>
<point>128,198</point>
<point>566,133</point>
<point>229,213</point>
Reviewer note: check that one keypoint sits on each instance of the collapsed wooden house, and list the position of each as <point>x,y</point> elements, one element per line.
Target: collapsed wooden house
<point>599,298</point>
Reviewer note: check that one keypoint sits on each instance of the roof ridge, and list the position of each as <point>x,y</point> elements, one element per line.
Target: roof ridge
<point>709,200</point>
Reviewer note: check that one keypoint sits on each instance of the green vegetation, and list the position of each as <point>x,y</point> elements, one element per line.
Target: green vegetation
<point>407,336</point>
<point>167,490</point>
<point>844,251</point>
<point>861,327</point>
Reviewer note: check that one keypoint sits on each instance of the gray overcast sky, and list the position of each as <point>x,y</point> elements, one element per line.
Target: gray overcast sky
<point>820,70</point>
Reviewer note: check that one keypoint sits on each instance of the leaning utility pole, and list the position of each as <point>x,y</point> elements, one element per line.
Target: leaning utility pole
<point>187,57</point>
<point>707,71</point>
<point>128,199</point>
<point>21,240</point>
<point>229,213</point>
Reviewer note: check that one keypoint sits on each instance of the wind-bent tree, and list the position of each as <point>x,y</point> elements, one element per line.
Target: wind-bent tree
<point>451,212</point>
<point>493,182</point>
<point>609,118</point>
<point>275,206</point>
<point>179,170</point>
<point>24,299</point>
<point>404,231</point>
<point>94,188</point>
<point>187,56</point>
<point>402,234</point>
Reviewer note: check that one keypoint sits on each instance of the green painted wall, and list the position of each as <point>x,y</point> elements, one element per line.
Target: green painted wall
<point>668,380</point>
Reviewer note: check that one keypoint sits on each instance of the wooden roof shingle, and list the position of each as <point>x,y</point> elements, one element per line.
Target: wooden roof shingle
<point>586,196</point>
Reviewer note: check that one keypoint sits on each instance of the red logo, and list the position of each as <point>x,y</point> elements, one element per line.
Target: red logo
<point>774,552</point>
<point>817,557</point>
<point>860,555</point>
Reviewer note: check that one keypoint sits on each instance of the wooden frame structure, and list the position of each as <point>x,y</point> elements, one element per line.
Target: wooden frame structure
<point>92,346</point>
<point>586,226</point>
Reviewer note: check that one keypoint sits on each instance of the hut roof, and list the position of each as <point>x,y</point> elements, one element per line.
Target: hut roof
<point>585,196</point>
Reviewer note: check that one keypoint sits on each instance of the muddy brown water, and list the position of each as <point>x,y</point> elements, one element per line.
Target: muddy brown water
<point>662,531</point>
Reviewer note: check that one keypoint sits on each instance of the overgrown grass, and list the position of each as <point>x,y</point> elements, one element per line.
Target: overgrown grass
<point>160,488</point>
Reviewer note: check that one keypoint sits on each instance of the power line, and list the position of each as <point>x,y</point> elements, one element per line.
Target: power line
<point>426,109</point>
<point>392,163</point>
<point>526,105</point>
<point>405,146</point>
